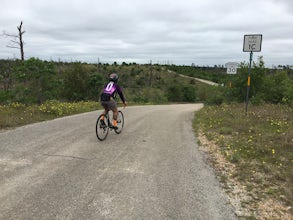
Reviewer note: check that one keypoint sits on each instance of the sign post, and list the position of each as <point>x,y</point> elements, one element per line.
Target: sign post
<point>251,43</point>
<point>231,70</point>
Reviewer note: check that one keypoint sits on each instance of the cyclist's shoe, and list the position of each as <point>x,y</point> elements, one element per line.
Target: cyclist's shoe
<point>102,124</point>
<point>114,124</point>
<point>113,127</point>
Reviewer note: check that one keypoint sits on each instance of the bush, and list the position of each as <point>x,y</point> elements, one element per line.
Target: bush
<point>215,100</point>
<point>4,97</point>
<point>189,93</point>
<point>278,88</point>
<point>174,93</point>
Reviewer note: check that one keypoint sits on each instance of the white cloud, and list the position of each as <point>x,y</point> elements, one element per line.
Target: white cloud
<point>205,32</point>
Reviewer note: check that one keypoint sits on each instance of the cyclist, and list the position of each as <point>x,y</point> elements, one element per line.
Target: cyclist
<point>108,97</point>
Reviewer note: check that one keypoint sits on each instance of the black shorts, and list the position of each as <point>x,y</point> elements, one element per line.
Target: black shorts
<point>109,105</point>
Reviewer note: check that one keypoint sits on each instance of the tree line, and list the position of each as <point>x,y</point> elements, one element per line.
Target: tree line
<point>267,85</point>
<point>34,81</point>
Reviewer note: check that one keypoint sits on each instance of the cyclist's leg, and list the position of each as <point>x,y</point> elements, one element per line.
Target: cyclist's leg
<point>113,107</point>
<point>105,111</point>
<point>115,115</point>
<point>106,108</point>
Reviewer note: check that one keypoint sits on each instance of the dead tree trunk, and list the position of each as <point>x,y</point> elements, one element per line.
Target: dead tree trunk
<point>151,74</point>
<point>17,42</point>
<point>20,33</point>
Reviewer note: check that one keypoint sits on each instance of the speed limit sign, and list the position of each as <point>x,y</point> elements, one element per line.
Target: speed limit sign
<point>231,68</point>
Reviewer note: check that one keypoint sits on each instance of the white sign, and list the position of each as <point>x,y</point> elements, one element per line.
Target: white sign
<point>252,43</point>
<point>231,68</point>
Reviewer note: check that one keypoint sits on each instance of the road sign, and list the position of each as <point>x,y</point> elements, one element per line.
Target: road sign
<point>252,43</point>
<point>231,68</point>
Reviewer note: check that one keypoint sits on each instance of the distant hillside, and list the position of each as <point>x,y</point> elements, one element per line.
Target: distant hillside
<point>35,81</point>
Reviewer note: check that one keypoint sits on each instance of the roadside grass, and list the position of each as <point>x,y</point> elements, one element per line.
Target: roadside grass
<point>259,144</point>
<point>16,114</point>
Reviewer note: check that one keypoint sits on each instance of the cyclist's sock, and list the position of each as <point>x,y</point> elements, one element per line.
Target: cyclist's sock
<point>115,123</point>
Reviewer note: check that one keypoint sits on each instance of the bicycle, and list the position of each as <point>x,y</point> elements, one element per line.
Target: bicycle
<point>103,125</point>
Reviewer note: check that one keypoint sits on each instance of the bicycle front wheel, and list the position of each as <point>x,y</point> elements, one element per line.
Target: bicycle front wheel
<point>120,122</point>
<point>102,127</point>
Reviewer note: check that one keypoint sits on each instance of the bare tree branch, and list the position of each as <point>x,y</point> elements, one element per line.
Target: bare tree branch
<point>15,42</point>
<point>9,35</point>
<point>12,47</point>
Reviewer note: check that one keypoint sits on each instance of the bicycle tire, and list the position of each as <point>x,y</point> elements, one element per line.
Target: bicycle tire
<point>102,127</point>
<point>120,122</point>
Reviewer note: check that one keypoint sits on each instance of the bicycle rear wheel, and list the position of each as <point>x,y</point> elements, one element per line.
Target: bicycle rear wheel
<point>102,127</point>
<point>120,122</point>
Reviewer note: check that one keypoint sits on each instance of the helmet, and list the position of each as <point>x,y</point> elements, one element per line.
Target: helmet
<point>113,77</point>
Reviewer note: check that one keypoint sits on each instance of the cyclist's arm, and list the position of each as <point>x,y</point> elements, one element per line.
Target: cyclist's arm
<point>121,95</point>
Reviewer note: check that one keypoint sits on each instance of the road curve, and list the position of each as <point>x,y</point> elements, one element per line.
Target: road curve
<point>152,170</point>
<point>200,80</point>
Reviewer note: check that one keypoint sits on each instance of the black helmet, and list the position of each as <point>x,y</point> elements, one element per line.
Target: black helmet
<point>113,77</point>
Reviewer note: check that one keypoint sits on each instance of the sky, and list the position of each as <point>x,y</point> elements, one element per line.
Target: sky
<point>179,32</point>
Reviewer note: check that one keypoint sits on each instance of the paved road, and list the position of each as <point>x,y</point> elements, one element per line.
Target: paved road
<point>201,80</point>
<point>152,170</point>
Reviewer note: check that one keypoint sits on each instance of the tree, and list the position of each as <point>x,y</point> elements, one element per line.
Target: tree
<point>189,93</point>
<point>5,75</point>
<point>239,81</point>
<point>17,41</point>
<point>175,93</point>
<point>37,81</point>
<point>75,82</point>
